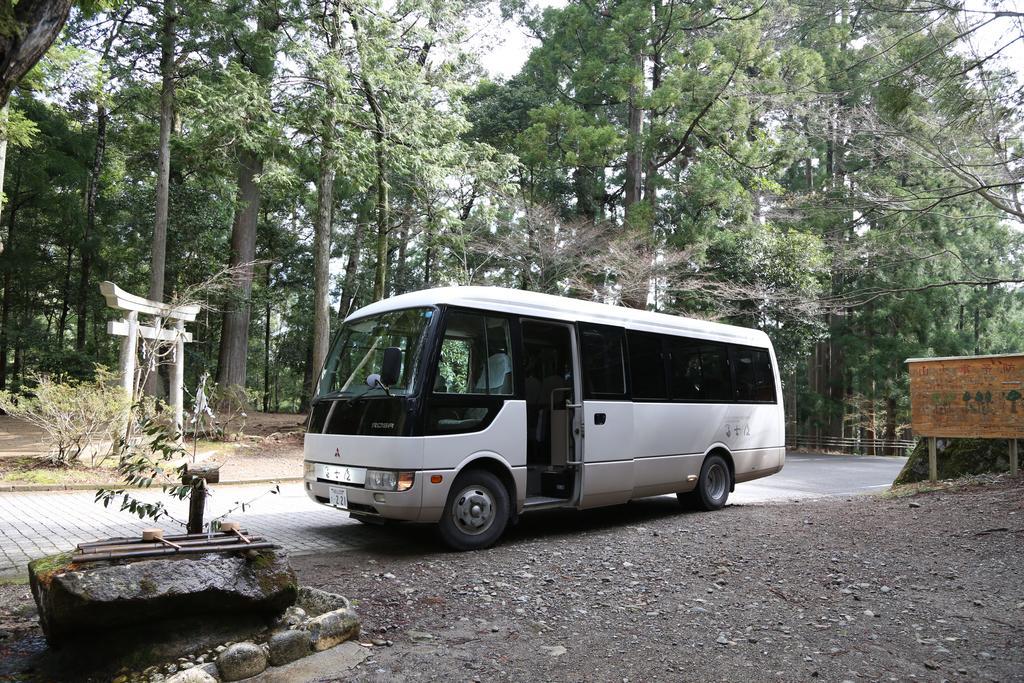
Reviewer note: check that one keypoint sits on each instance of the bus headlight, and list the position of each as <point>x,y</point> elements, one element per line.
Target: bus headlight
<point>389,480</point>
<point>309,470</point>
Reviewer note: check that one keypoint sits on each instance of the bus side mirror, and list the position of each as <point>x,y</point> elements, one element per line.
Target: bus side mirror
<point>390,366</point>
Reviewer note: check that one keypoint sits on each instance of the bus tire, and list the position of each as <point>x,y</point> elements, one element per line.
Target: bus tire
<point>712,490</point>
<point>476,513</point>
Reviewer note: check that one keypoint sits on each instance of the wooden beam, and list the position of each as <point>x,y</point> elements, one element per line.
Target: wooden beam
<point>122,300</point>
<point>122,328</point>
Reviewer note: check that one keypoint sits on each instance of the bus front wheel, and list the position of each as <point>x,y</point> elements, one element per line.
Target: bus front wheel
<point>712,487</point>
<point>476,512</point>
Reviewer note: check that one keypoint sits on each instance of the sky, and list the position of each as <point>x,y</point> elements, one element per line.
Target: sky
<point>510,44</point>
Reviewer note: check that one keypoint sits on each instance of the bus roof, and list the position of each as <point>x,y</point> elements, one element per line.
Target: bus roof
<point>563,308</point>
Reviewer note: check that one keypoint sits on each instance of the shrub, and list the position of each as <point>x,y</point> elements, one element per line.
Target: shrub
<point>220,411</point>
<point>79,418</point>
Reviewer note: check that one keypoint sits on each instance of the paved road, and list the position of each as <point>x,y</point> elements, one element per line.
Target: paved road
<point>37,524</point>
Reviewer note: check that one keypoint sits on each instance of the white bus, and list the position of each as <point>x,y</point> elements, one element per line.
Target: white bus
<point>467,406</point>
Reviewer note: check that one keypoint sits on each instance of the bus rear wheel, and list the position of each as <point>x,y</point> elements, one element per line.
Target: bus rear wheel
<point>476,513</point>
<point>712,487</point>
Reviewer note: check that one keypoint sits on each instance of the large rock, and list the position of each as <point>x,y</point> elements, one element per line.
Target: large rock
<point>331,628</point>
<point>287,646</point>
<point>956,458</point>
<point>83,600</point>
<point>241,660</point>
<point>316,602</point>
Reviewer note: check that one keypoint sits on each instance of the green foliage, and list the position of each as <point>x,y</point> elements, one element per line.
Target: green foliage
<point>145,459</point>
<point>840,175</point>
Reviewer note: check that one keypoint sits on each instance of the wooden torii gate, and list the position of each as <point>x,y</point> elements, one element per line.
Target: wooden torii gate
<point>172,333</point>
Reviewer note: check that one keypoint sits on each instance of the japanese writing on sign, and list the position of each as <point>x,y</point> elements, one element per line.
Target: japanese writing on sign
<point>969,397</point>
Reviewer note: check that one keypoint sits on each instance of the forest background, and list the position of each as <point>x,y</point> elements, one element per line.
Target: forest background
<point>843,174</point>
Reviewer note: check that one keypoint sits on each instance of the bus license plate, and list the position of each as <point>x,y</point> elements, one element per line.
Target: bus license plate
<point>338,497</point>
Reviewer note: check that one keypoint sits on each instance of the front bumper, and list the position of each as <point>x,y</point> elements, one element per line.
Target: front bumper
<point>424,502</point>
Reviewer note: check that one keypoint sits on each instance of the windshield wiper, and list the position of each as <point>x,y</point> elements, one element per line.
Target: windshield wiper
<point>331,395</point>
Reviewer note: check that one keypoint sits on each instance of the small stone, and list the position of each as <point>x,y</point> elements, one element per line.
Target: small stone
<point>379,642</point>
<point>553,650</point>
<point>928,664</point>
<point>241,660</point>
<point>868,613</point>
<point>388,575</point>
<point>885,589</point>
<point>986,655</point>
<point>287,646</point>
<point>331,628</point>
<point>722,639</point>
<point>192,676</point>
<point>293,616</point>
<point>420,636</point>
<point>977,603</point>
<point>914,504</point>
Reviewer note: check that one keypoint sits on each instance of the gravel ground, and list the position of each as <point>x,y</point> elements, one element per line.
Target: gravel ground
<point>868,588</point>
<point>922,588</point>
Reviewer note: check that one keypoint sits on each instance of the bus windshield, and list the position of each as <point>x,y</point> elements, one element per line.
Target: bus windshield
<point>359,350</point>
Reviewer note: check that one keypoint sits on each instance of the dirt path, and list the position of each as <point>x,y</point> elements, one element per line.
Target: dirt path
<point>271,448</point>
<point>861,589</point>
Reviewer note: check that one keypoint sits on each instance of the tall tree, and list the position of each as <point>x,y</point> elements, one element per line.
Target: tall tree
<point>168,80</point>
<point>257,52</point>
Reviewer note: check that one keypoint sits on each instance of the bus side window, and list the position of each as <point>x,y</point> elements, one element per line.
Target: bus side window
<point>475,357</point>
<point>714,366</point>
<point>754,378</point>
<point>764,378</point>
<point>604,367</point>
<point>647,366</point>
<point>474,374</point>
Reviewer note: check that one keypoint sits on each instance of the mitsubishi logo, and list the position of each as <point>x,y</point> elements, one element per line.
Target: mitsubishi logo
<point>337,452</point>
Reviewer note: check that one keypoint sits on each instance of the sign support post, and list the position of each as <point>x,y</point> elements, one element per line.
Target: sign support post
<point>933,462</point>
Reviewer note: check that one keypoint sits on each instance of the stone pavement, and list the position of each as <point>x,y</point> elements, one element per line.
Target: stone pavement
<point>37,524</point>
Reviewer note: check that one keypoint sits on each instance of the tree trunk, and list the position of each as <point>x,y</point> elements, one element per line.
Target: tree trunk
<point>266,342</point>
<point>398,279</point>
<point>158,254</point>
<point>4,117</point>
<point>8,301</point>
<point>234,337</point>
<point>634,149</point>
<point>321,264</point>
<point>88,238</point>
<point>428,247</point>
<point>65,304</point>
<point>348,291</point>
<point>383,210</point>
<point>28,30</point>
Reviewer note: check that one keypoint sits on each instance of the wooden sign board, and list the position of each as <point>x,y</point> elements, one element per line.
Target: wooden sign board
<point>968,397</point>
